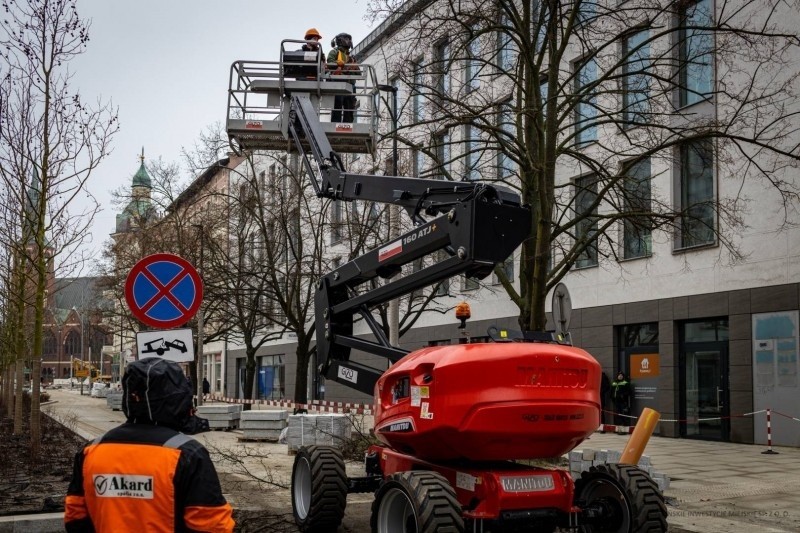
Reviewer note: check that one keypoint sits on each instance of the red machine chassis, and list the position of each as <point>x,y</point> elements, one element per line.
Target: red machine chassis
<point>488,491</point>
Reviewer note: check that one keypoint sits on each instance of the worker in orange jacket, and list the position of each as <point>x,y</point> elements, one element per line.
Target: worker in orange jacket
<point>145,475</point>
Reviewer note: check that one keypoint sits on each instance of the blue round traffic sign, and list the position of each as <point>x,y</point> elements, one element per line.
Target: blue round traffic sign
<point>163,290</point>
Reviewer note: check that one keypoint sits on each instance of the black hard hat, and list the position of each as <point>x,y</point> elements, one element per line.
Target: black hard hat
<point>156,391</point>
<point>344,40</point>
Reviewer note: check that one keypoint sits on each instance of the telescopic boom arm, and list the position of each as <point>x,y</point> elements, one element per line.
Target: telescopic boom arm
<point>475,224</point>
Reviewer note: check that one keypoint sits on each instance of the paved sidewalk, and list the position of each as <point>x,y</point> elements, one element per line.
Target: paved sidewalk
<point>715,487</point>
<point>723,487</point>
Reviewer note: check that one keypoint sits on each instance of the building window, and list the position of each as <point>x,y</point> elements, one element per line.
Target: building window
<point>442,342</point>
<point>633,336</point>
<point>506,46</point>
<point>508,268</point>
<point>442,149</point>
<point>713,330</point>
<point>417,163</point>
<point>469,284</point>
<point>336,221</point>
<point>443,288</point>
<point>416,91</point>
<point>472,65</point>
<point>697,194</point>
<point>586,110</point>
<point>50,347</point>
<point>586,227</point>
<point>541,20</point>
<point>416,266</point>
<point>374,212</point>
<point>543,93</point>
<point>635,84</point>
<point>470,153</point>
<point>696,52</point>
<point>72,344</point>
<point>271,378</point>
<point>507,125</point>
<point>442,69</point>
<point>586,11</point>
<point>637,240</point>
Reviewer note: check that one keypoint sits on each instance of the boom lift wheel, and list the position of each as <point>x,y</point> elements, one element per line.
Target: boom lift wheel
<point>620,499</point>
<point>319,489</point>
<point>416,502</point>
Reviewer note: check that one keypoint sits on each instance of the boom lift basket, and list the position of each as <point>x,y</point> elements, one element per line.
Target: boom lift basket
<point>258,101</point>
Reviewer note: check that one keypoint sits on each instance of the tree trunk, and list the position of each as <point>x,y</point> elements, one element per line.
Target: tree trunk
<point>250,373</point>
<point>18,403</point>
<point>36,421</point>
<point>301,377</point>
<point>8,391</point>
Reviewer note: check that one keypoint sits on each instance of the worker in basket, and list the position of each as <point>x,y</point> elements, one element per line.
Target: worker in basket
<point>312,38</point>
<point>340,62</point>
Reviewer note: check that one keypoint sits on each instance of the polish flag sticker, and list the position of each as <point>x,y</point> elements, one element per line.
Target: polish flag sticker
<point>390,250</point>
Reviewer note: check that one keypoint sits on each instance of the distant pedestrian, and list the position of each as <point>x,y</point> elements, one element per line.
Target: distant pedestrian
<point>146,475</point>
<point>206,388</point>
<point>621,396</point>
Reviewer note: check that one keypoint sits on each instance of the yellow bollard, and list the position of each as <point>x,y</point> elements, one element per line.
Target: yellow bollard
<point>640,436</point>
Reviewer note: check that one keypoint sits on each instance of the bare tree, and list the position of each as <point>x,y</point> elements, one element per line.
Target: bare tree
<point>163,218</point>
<point>590,109</point>
<point>49,134</point>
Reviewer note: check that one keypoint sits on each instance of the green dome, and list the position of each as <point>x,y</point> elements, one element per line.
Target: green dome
<point>142,178</point>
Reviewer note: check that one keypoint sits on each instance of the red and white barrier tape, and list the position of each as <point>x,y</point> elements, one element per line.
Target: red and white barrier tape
<point>316,405</point>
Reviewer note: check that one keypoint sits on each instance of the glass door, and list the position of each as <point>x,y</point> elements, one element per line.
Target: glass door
<point>705,391</point>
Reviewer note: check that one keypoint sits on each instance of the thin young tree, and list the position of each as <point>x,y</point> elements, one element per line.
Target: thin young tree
<point>589,109</point>
<point>49,133</point>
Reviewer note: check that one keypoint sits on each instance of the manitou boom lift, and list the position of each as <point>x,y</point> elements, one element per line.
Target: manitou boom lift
<point>453,420</point>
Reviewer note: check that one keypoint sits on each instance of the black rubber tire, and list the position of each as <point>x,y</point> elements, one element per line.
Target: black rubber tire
<point>641,501</point>
<point>319,489</point>
<point>432,500</point>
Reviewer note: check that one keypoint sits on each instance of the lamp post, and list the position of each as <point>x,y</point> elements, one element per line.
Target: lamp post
<point>393,115</point>
<point>394,217</point>
<point>200,326</point>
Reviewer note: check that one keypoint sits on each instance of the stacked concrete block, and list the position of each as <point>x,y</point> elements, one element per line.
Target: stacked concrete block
<point>308,430</point>
<point>263,425</point>
<point>662,480</point>
<point>222,416</point>
<point>114,400</point>
<point>613,456</point>
<point>582,460</point>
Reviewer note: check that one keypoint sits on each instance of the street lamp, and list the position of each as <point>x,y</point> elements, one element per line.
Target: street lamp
<point>200,326</point>
<point>393,115</point>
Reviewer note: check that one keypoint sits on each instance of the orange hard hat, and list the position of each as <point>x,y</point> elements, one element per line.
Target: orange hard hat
<point>312,32</point>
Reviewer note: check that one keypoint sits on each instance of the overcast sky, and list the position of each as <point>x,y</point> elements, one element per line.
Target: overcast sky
<point>165,65</point>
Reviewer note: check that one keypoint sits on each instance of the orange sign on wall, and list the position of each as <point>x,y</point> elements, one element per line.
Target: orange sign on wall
<point>645,365</point>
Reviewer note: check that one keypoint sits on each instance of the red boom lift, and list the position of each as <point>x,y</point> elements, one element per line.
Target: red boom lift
<point>455,422</point>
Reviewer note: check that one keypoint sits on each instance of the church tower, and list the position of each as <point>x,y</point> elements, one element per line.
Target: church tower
<point>140,209</point>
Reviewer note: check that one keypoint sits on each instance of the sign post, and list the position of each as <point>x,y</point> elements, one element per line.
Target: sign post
<point>164,291</point>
